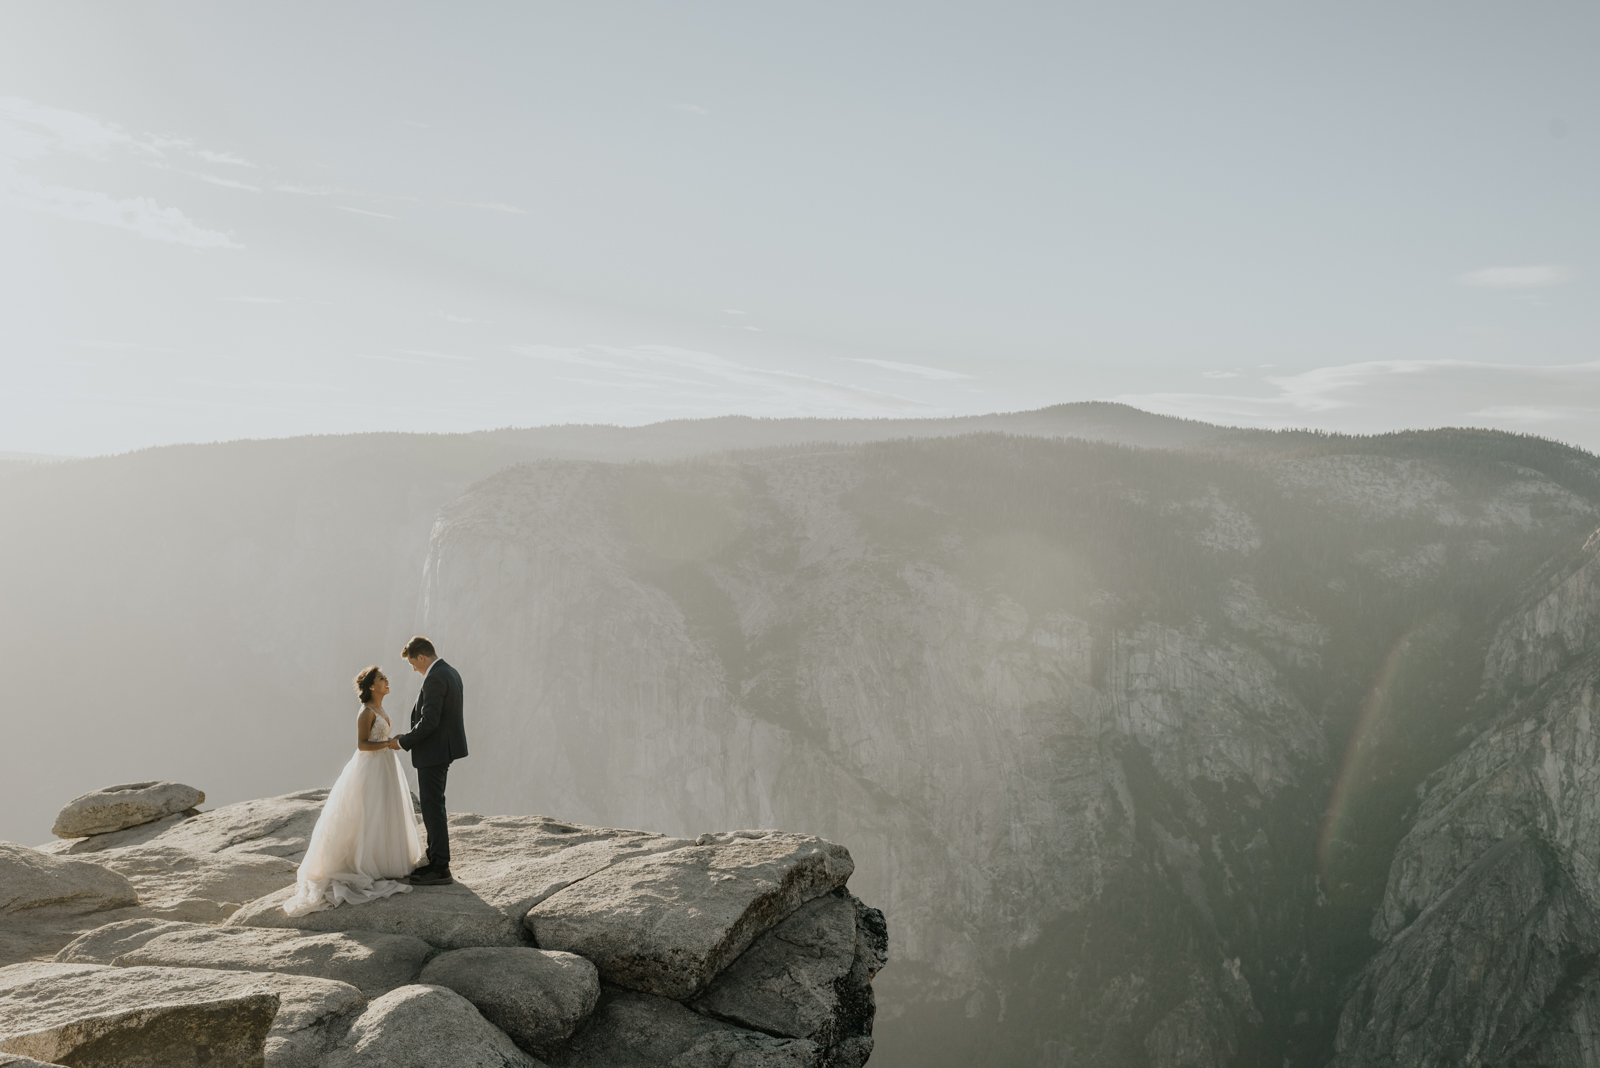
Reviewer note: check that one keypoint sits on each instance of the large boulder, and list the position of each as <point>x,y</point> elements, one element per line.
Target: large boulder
<point>503,866</point>
<point>128,805</point>
<point>313,1014</point>
<point>667,923</point>
<point>536,996</point>
<point>808,977</point>
<point>426,1027</point>
<point>206,1033</point>
<point>373,963</point>
<point>634,1030</point>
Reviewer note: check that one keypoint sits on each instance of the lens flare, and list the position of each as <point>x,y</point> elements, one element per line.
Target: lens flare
<point>1373,707</point>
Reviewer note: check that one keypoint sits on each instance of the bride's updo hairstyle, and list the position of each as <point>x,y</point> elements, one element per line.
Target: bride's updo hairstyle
<point>367,680</point>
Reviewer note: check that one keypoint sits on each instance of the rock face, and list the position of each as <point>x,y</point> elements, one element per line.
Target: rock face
<point>809,977</point>
<point>449,977</point>
<point>1078,711</point>
<point>634,1030</point>
<point>424,1027</point>
<point>536,996</point>
<point>1490,918</point>
<point>118,807</point>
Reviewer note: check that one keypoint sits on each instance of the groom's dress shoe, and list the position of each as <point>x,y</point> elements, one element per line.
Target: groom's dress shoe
<point>431,876</point>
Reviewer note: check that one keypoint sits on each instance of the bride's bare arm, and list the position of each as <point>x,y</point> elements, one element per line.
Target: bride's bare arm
<point>364,729</point>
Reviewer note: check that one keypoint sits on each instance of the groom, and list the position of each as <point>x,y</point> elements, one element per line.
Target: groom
<point>437,737</point>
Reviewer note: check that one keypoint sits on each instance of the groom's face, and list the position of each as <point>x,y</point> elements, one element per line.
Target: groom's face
<point>419,664</point>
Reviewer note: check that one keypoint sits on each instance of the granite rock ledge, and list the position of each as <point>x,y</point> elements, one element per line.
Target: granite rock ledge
<point>559,945</point>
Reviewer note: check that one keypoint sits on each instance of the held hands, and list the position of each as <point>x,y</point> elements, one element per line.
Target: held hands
<point>394,743</point>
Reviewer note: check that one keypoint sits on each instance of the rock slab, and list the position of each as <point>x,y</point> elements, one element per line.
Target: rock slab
<point>504,866</point>
<point>128,805</point>
<point>667,923</point>
<point>228,1032</point>
<point>538,997</point>
<point>426,1027</point>
<point>312,1013</point>
<point>372,963</point>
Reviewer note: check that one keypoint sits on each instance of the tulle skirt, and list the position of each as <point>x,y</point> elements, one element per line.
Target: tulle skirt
<point>365,839</point>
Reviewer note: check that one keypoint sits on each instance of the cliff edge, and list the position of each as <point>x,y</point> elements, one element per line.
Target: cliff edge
<point>164,943</point>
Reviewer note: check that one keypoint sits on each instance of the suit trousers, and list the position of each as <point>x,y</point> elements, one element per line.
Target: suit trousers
<point>430,789</point>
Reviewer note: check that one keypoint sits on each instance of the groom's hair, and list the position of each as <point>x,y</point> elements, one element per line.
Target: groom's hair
<point>418,647</point>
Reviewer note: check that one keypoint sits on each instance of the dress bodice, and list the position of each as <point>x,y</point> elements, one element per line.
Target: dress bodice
<point>382,730</point>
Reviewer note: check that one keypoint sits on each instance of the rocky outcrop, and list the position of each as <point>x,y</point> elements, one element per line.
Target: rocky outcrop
<point>538,997</point>
<point>117,808</point>
<point>447,975</point>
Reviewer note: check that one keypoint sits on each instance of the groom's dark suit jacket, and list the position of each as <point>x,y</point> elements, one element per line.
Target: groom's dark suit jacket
<point>438,734</point>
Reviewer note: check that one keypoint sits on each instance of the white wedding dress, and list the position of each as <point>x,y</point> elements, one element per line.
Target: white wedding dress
<point>366,837</point>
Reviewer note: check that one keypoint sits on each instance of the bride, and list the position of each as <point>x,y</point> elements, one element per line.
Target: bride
<point>366,839</point>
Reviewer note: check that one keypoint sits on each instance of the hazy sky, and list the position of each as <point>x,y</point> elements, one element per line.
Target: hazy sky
<point>230,220</point>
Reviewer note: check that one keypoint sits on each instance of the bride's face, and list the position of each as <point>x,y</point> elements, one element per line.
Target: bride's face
<point>380,689</point>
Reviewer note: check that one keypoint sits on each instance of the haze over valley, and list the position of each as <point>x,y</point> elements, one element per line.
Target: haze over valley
<point>1133,726</point>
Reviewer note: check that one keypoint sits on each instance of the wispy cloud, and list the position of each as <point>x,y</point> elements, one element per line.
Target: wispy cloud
<point>306,190</point>
<point>30,132</point>
<point>693,109</point>
<point>1535,277</point>
<point>257,300</point>
<point>221,157</point>
<point>916,369</point>
<point>509,209</point>
<point>228,182</point>
<point>364,211</point>
<point>1219,374</point>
